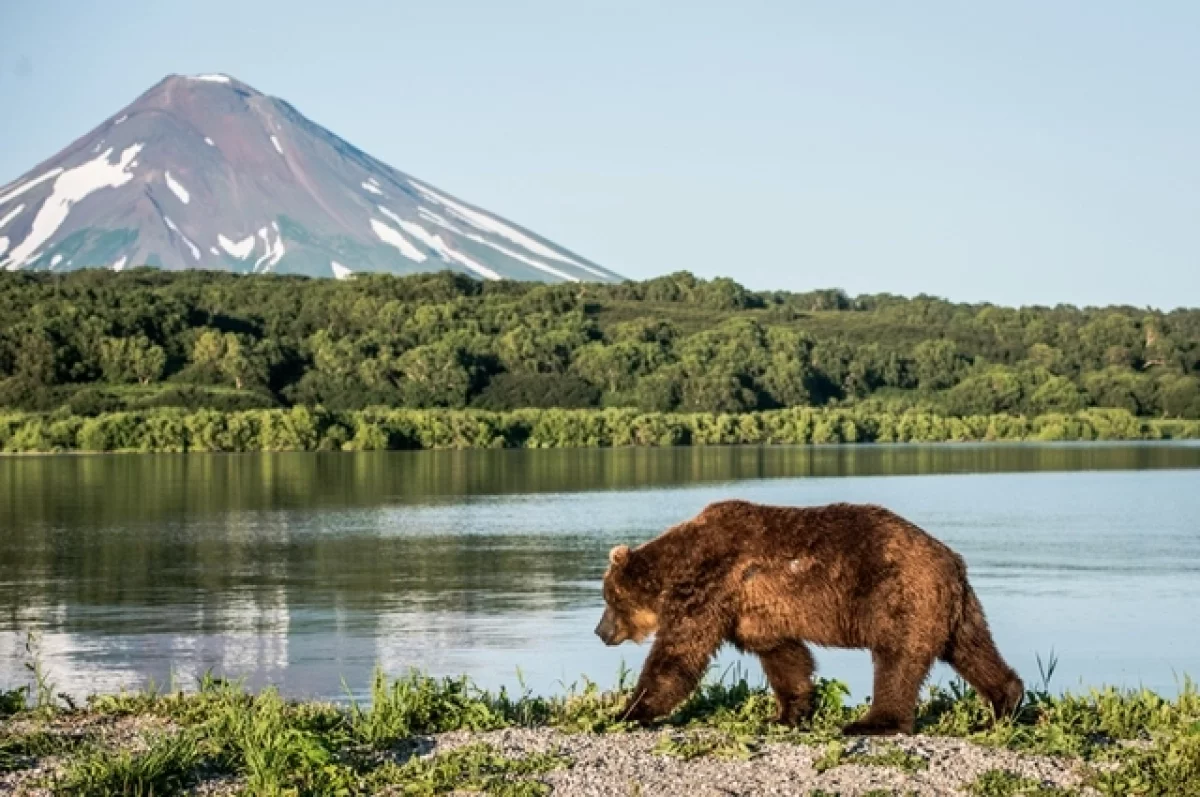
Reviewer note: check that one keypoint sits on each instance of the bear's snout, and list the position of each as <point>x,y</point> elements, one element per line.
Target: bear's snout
<point>606,629</point>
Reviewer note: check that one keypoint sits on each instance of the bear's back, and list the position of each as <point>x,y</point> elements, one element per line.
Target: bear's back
<point>855,534</point>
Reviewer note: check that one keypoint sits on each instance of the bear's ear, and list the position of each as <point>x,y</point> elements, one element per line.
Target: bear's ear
<point>619,555</point>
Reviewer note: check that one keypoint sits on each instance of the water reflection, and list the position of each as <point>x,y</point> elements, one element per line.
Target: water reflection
<point>305,569</point>
<point>108,490</point>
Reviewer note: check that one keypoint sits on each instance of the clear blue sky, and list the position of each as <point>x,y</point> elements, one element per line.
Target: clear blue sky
<point>1023,152</point>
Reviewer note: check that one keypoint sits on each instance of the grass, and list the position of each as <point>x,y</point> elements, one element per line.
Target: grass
<point>836,755</point>
<point>1002,783</point>
<point>1131,742</point>
<point>478,768</point>
<point>166,767</point>
<point>702,744</point>
<point>13,701</point>
<point>18,751</point>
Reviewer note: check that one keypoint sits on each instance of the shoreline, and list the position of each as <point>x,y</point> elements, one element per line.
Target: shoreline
<point>382,429</point>
<point>420,735</point>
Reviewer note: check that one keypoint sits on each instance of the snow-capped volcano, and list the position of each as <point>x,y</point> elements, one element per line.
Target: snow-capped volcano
<point>204,172</point>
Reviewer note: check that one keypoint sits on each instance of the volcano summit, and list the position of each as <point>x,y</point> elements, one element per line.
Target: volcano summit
<point>204,172</point>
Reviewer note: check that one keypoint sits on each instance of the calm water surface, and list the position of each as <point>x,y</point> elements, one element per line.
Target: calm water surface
<point>306,569</point>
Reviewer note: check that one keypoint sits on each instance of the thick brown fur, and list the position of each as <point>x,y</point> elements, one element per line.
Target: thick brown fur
<point>773,579</point>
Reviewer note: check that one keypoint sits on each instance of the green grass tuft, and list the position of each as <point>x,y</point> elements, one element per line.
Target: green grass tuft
<point>21,751</point>
<point>474,768</point>
<point>700,744</point>
<point>166,767</point>
<point>1002,783</point>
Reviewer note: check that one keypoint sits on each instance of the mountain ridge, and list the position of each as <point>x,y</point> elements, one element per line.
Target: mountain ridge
<point>205,171</point>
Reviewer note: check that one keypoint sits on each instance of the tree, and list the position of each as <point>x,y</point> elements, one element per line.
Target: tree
<point>208,349</point>
<point>436,376</point>
<point>37,359</point>
<point>1047,357</point>
<point>658,392</point>
<point>243,362</point>
<point>1121,388</point>
<point>1181,397</point>
<point>938,364</point>
<point>1057,394</point>
<point>125,360</point>
<point>617,367</point>
<point>994,391</point>
<point>716,392</point>
<point>516,391</point>
<point>237,358</point>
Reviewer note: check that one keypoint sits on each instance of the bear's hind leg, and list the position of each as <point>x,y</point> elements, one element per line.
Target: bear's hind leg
<point>898,679</point>
<point>789,668</point>
<point>972,653</point>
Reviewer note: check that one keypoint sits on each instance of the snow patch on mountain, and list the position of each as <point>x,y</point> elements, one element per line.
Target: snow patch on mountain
<point>274,251</point>
<point>275,143</point>
<point>212,78</point>
<point>474,265</point>
<point>120,264</point>
<point>241,249</point>
<point>523,258</point>
<point>191,246</point>
<point>122,119</point>
<point>3,244</point>
<point>70,187</point>
<point>435,242</point>
<point>16,192</point>
<point>390,214</point>
<point>340,271</point>
<point>440,221</point>
<point>371,188</point>
<point>54,261</point>
<point>393,237</point>
<point>209,141</point>
<point>486,223</point>
<point>177,189</point>
<point>11,215</point>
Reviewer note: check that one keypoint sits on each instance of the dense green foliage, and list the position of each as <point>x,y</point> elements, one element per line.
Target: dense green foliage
<point>92,342</point>
<point>302,429</point>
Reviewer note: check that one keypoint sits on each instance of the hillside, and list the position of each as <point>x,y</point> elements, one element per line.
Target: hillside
<point>93,341</point>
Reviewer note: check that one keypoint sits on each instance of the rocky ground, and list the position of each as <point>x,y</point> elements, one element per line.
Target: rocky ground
<point>421,737</point>
<point>659,763</point>
<point>628,764</point>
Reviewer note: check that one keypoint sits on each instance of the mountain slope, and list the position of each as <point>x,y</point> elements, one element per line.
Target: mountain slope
<point>205,172</point>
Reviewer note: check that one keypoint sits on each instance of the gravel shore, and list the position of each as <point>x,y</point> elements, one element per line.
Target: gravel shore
<point>627,764</point>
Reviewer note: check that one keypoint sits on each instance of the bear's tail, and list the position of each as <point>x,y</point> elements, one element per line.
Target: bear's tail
<point>972,652</point>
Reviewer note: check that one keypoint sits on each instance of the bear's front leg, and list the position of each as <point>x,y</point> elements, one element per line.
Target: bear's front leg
<point>672,671</point>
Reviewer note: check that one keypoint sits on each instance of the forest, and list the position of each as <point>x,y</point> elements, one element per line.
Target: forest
<point>94,342</point>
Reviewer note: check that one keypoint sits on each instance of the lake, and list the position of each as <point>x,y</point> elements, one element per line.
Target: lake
<point>308,570</point>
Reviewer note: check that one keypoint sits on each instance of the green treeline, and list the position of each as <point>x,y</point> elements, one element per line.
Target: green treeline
<point>304,429</point>
<point>91,343</point>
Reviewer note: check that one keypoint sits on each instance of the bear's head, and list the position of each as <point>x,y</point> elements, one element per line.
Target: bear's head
<point>630,598</point>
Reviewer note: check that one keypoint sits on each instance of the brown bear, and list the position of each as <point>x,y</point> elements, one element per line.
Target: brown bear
<point>771,579</point>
